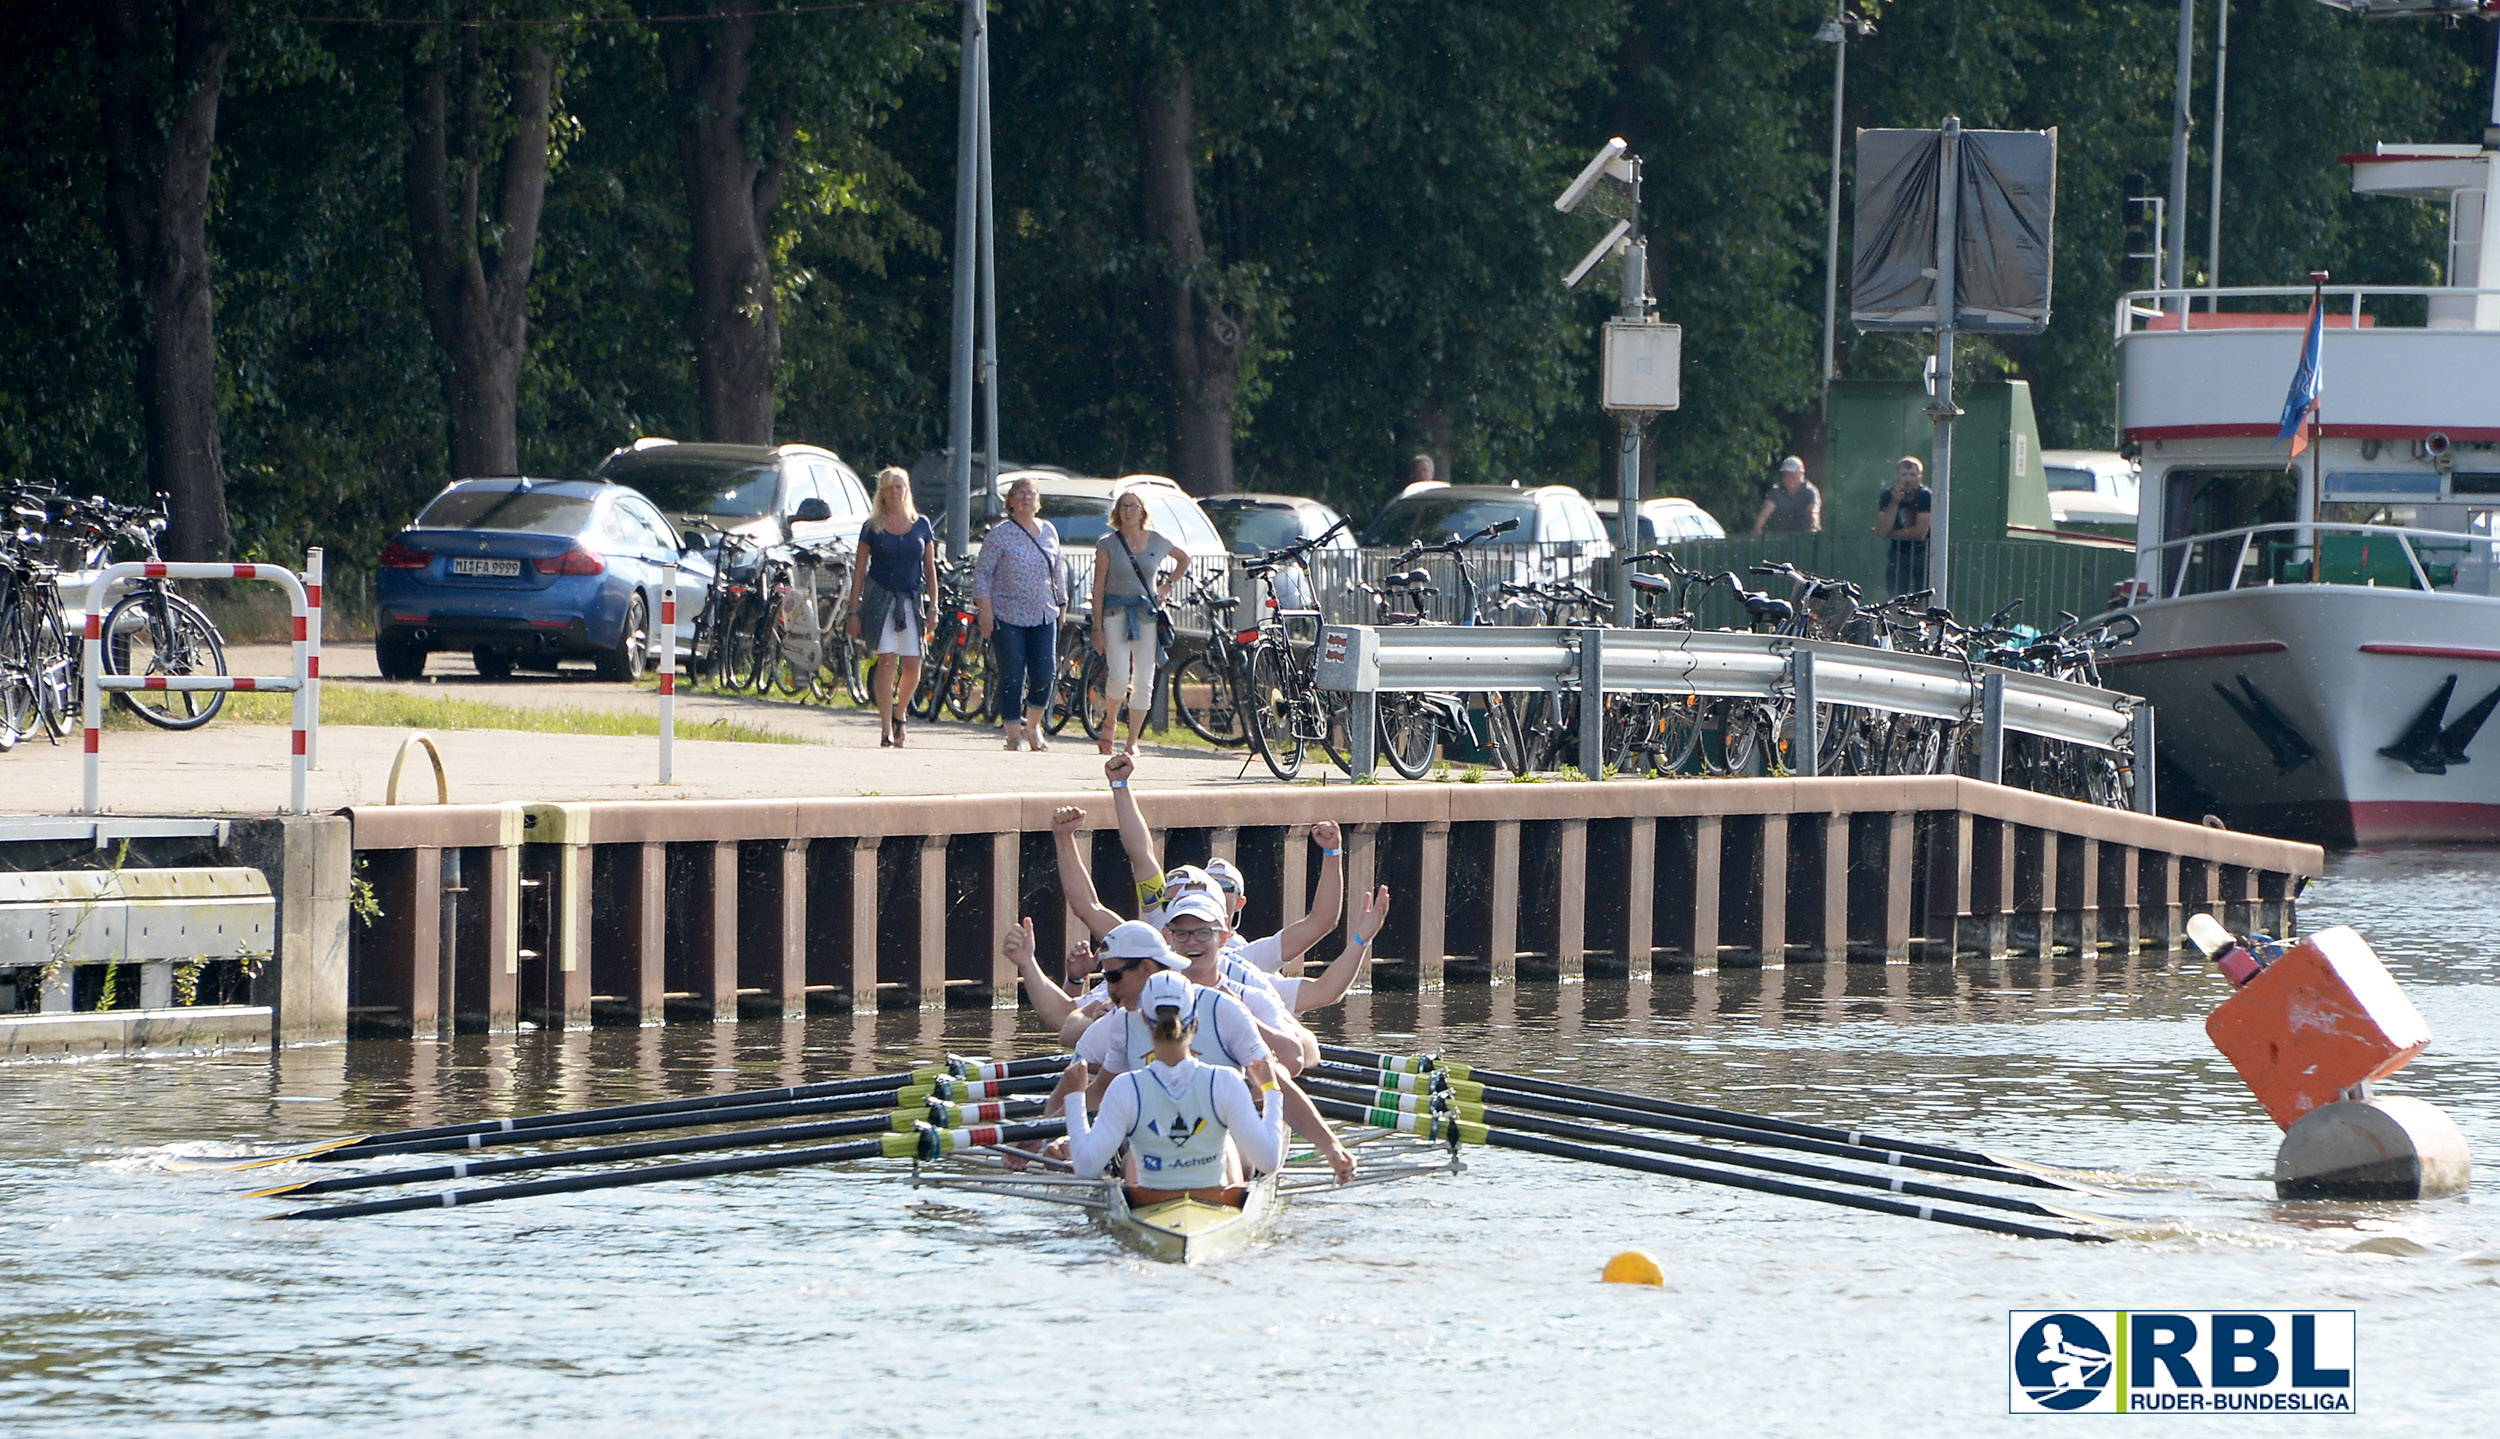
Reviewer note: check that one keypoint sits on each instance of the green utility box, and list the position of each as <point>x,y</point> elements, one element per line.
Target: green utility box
<point>1999,490</point>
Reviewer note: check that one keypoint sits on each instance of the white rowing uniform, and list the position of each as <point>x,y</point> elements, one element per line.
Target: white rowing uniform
<point>1176,1118</point>
<point>1265,954</point>
<point>1268,997</point>
<point>1123,1040</point>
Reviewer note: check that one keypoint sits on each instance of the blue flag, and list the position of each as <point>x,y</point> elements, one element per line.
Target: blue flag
<point>2305,383</point>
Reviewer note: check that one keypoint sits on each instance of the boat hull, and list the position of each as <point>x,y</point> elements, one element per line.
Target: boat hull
<point>1192,1231</point>
<point>2298,710</point>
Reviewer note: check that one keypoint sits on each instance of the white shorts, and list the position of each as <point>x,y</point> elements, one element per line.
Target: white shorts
<point>902,636</point>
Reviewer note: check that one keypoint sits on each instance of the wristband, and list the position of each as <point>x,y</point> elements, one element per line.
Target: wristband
<point>1362,943</point>
<point>1119,784</point>
<point>1331,853</point>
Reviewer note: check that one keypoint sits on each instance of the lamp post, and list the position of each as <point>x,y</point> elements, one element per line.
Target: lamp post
<point>1836,32</point>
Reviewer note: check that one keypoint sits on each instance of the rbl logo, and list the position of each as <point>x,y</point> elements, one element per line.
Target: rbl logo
<point>2203,1361</point>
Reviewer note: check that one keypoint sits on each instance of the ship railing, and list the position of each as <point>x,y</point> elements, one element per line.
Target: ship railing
<point>2323,553</point>
<point>2348,307</point>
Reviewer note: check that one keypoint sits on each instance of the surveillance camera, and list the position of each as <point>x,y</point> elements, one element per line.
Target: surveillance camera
<point>1604,164</point>
<point>1589,261</point>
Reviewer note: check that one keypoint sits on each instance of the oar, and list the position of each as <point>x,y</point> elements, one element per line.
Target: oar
<point>741,1114</point>
<point>902,1121</point>
<point>1530,1084</point>
<point>862,1084</point>
<point>1562,1129</point>
<point>1437,1126</point>
<point>1643,1119</point>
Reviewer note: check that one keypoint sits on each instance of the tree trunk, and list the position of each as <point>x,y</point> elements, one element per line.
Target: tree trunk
<point>476,288</point>
<point>730,195</point>
<point>156,207</point>
<point>1204,338</point>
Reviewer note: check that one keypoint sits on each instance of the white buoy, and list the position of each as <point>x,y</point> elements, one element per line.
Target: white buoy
<point>2384,1147</point>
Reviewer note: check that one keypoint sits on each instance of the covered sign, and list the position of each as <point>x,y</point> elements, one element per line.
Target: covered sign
<point>2005,205</point>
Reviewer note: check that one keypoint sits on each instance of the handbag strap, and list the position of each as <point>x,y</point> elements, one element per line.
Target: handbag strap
<point>1144,585</point>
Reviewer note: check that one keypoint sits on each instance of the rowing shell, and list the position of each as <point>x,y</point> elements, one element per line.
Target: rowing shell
<point>1192,1231</point>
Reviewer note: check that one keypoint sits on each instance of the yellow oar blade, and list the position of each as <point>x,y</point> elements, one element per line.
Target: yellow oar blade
<point>301,1153</point>
<point>281,1189</point>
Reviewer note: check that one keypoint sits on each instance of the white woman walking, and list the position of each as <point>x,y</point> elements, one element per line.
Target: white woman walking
<point>1130,583</point>
<point>891,602</point>
<point>1018,583</point>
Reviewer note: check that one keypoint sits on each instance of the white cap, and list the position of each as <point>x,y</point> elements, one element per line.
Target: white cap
<point>1186,877</point>
<point>1226,877</point>
<point>1200,904</point>
<point>1792,465</point>
<point>1136,939</point>
<point>1166,991</point>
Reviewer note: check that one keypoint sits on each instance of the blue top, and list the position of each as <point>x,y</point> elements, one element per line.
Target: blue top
<point>895,562</point>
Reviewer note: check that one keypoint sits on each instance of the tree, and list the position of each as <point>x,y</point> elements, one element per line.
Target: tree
<point>473,262</point>
<point>730,153</point>
<point>156,206</point>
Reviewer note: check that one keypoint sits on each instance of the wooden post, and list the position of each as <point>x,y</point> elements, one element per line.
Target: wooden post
<point>1432,906</point>
<point>1900,830</point>
<point>864,924</point>
<point>1006,908</point>
<point>931,981</point>
<point>572,913</point>
<point>1833,943</point>
<point>1771,892</point>
<point>789,976</point>
<point>648,931</point>
<point>1502,944</point>
<point>1571,905</point>
<point>1640,905</point>
<point>426,1015</point>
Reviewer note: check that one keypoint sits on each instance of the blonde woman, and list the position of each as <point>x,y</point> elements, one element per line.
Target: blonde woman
<point>891,600</point>
<point>1130,583</point>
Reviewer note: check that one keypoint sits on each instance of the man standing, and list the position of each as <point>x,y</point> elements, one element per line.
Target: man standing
<point>1904,514</point>
<point>1794,507</point>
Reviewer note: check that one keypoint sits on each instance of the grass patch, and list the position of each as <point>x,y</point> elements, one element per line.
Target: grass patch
<point>359,705</point>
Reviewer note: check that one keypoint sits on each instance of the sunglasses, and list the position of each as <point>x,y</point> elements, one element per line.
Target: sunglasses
<point>1114,972</point>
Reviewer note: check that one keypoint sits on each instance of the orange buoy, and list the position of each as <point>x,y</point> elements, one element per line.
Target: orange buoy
<point>1635,1266</point>
<point>2324,1017</point>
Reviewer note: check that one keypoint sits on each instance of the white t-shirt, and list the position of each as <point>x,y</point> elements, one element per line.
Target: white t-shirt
<point>1266,953</point>
<point>1119,1041</point>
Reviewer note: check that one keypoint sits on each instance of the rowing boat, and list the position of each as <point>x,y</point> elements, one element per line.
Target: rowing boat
<point>1191,1231</point>
<point>1179,1231</point>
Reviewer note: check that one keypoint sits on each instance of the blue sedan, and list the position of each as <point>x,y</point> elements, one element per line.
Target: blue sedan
<point>524,573</point>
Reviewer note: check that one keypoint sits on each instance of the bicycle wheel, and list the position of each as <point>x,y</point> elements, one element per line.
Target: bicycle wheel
<point>1271,711</point>
<point>1202,695</point>
<point>737,653</point>
<point>1092,704</point>
<point>968,677</point>
<point>1333,714</point>
<point>17,679</point>
<point>1738,727</point>
<point>1678,740</point>
<point>154,633</point>
<point>1502,726</point>
<point>1067,688</point>
<point>1410,734</point>
<point>55,673</point>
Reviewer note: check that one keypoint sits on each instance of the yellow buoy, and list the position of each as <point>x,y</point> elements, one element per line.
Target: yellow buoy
<point>1635,1266</point>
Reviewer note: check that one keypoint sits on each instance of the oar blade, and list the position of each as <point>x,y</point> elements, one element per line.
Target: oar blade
<point>302,1154</point>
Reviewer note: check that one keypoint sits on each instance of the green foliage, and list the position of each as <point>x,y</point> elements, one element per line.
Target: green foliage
<point>1374,175</point>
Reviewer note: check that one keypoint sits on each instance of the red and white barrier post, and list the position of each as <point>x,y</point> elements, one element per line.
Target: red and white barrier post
<point>94,681</point>
<point>668,673</point>
<point>312,658</point>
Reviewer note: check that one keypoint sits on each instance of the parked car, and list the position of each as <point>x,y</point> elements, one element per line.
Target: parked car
<point>1253,524</point>
<point>1664,521</point>
<point>1079,506</point>
<point>2093,491</point>
<point>745,489</point>
<point>1556,520</point>
<point>525,572</point>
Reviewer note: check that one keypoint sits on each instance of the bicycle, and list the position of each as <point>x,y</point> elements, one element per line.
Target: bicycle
<point>955,671</point>
<point>1286,709</point>
<point>1207,686</point>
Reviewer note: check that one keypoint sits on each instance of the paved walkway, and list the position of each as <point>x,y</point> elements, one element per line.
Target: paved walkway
<point>233,768</point>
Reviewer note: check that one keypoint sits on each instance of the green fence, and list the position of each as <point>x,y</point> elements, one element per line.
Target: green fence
<point>1987,574</point>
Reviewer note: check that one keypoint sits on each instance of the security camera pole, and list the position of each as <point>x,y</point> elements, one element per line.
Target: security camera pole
<point>1641,359</point>
<point>976,296</point>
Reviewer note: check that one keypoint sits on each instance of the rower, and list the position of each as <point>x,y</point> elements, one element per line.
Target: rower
<point>1190,1128</point>
<point>1195,926</point>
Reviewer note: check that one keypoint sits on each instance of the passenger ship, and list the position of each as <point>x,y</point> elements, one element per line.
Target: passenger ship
<point>2321,634</point>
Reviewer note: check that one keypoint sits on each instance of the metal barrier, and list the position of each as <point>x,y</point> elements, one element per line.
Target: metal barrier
<point>94,681</point>
<point>53,922</point>
<point>1363,660</point>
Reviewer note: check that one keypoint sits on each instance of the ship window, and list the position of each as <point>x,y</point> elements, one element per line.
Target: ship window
<point>2200,502</point>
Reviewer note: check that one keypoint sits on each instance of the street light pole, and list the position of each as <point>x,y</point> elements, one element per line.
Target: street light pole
<point>1836,34</point>
<point>967,262</point>
<point>2213,203</point>
<point>1628,511</point>
<point>2177,278</point>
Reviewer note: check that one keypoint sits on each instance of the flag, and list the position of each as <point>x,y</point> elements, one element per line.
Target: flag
<point>2303,399</point>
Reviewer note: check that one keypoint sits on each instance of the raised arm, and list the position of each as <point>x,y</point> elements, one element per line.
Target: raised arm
<point>1075,881</point>
<point>1135,837</point>
<point>1296,939</point>
<point>1334,981</point>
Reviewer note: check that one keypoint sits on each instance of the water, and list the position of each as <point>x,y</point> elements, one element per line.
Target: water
<point>138,1295</point>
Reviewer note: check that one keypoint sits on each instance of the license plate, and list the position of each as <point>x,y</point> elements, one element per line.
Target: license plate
<point>472,565</point>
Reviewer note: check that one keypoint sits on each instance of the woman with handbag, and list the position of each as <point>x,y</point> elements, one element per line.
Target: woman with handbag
<point>894,598</point>
<point>1018,582</point>
<point>1130,628</point>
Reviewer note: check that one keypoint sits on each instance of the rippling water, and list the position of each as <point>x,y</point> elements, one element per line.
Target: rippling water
<point>138,1295</point>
